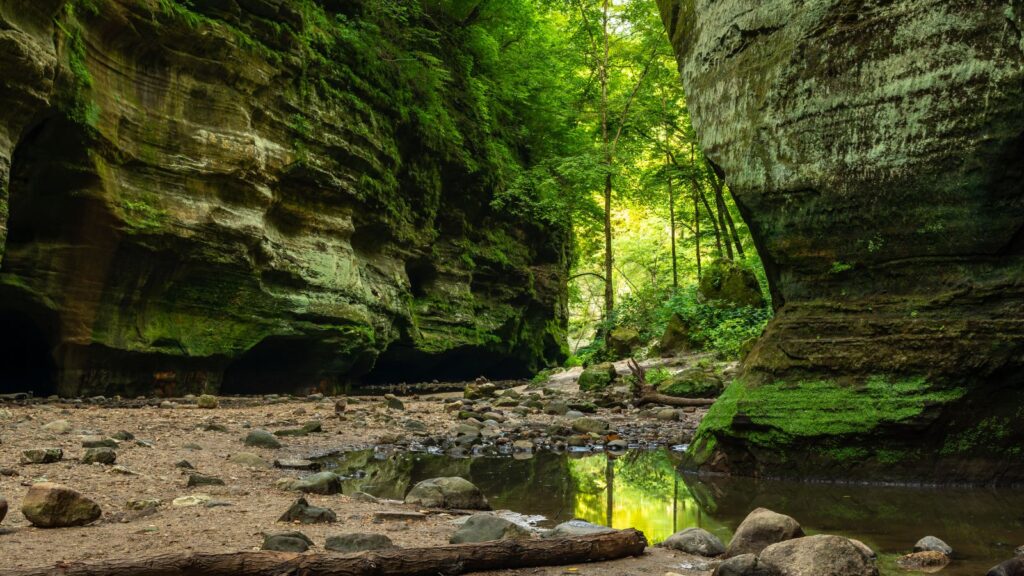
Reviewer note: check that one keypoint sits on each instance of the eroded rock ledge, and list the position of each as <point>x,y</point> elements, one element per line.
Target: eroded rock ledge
<point>877,153</point>
<point>194,199</point>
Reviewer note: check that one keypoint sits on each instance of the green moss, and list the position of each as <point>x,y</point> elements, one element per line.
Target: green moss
<point>691,386</point>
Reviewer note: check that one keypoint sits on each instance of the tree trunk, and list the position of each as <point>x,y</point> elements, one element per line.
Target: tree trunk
<point>719,185</point>
<point>696,232</point>
<point>672,229</point>
<point>720,204</point>
<point>609,284</point>
<point>649,396</point>
<point>609,260</point>
<point>454,559</point>
<point>711,213</point>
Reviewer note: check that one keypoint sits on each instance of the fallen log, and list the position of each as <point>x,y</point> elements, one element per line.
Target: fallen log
<point>453,559</point>
<point>656,398</point>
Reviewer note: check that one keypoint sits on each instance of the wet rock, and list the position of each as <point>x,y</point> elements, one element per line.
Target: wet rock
<point>207,402</point>
<point>1014,567</point>
<point>933,544</point>
<point>597,377</point>
<point>695,541</point>
<point>362,542</point>
<point>291,541</point>
<point>819,555</point>
<point>98,442</point>
<point>574,528</point>
<point>323,483</point>
<point>197,479</point>
<point>760,529</point>
<point>42,456</point>
<point>617,446</point>
<point>488,527</point>
<point>742,565</point>
<point>58,427</point>
<point>587,425</point>
<point>100,456</point>
<point>927,561</point>
<point>49,505</point>
<point>302,512</point>
<point>393,402</point>
<point>449,492</point>
<point>295,464</point>
<point>262,439</point>
<point>248,459</point>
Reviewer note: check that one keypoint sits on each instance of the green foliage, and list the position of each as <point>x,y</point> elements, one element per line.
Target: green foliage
<point>657,376</point>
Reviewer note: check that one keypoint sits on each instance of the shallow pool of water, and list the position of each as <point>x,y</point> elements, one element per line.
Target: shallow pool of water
<point>643,490</point>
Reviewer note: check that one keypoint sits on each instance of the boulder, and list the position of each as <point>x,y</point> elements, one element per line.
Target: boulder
<point>1013,567</point>
<point>207,402</point>
<point>393,402</point>
<point>727,284</point>
<point>262,439</point>
<point>99,456</point>
<point>819,555</point>
<point>933,544</point>
<point>742,565</point>
<point>695,541</point>
<point>597,377</point>
<point>291,541</point>
<point>49,505</point>
<point>42,456</point>
<point>693,383</point>
<point>488,527</point>
<point>760,529</point>
<point>302,512</point>
<point>623,341</point>
<point>351,543</point>
<point>479,390</point>
<point>573,528</point>
<point>450,492</point>
<point>677,337</point>
<point>927,561</point>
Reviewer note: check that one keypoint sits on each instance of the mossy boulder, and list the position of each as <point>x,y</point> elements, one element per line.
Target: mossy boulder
<point>623,341</point>
<point>725,283</point>
<point>597,377</point>
<point>677,338</point>
<point>693,383</point>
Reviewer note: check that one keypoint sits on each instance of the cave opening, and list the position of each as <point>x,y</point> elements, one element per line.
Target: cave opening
<point>402,363</point>
<point>26,354</point>
<point>277,365</point>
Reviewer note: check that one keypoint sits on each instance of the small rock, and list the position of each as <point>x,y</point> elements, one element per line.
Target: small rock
<point>262,439</point>
<point>190,500</point>
<point>393,402</point>
<point>249,460</point>
<point>185,464</point>
<point>286,542</point>
<point>617,446</point>
<point>450,492</point>
<point>488,527</point>
<point>296,464</point>
<point>522,445</point>
<point>349,543</point>
<point>123,436</point>
<point>695,541</point>
<point>197,479</point>
<point>208,402</point>
<point>742,565</point>
<point>933,544</point>
<point>556,407</point>
<point>324,483</point>
<point>303,513</point>
<point>588,425</point>
<point>58,427</point>
<point>927,561</point>
<point>42,456</point>
<point>574,528</point>
<point>98,442</point>
<point>99,455</point>
<point>49,505</point>
<point>760,529</point>
<point>139,505</point>
<point>667,415</point>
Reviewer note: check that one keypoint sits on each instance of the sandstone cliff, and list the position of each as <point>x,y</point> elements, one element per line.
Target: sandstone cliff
<point>876,150</point>
<point>219,195</point>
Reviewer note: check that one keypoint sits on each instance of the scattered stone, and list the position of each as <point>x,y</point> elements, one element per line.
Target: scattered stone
<point>98,442</point>
<point>42,456</point>
<point>190,500</point>
<point>393,402</point>
<point>817,555</point>
<point>197,479</point>
<point>556,407</point>
<point>522,445</point>
<point>303,513</point>
<point>286,542</point>
<point>487,527</point>
<point>138,505</point>
<point>58,427</point>
<point>927,561</point>
<point>667,415</point>
<point>742,565</point>
<point>306,430</point>
<point>450,492</point>
<point>99,455</point>
<point>574,528</point>
<point>123,470</point>
<point>760,529</point>
<point>350,543</point>
<point>185,464</point>
<point>49,505</point>
<point>695,541</point>
<point>208,402</point>
<point>587,425</point>
<point>262,439</point>
<point>933,544</point>
<point>477,391</point>
<point>123,436</point>
<point>1014,567</point>
<point>324,483</point>
<point>296,464</point>
<point>249,460</point>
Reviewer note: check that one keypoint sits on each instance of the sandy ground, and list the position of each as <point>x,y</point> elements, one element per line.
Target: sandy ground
<point>255,504</point>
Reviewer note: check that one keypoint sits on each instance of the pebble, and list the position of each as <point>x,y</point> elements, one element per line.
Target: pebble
<point>42,456</point>
<point>262,439</point>
<point>99,456</point>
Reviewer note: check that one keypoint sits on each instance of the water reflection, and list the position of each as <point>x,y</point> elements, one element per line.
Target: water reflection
<point>643,490</point>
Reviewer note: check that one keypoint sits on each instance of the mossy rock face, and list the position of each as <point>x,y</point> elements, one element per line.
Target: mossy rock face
<point>728,284</point>
<point>693,383</point>
<point>266,224</point>
<point>623,341</point>
<point>860,159</point>
<point>597,377</point>
<point>677,337</point>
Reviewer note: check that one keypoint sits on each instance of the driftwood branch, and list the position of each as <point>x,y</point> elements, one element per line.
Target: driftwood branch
<point>455,559</point>
<point>644,393</point>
